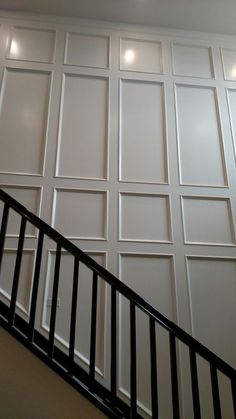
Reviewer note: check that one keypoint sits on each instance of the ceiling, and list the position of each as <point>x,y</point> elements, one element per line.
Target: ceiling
<point>217,16</point>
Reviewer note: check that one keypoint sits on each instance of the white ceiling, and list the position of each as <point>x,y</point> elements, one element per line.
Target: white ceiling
<point>199,15</point>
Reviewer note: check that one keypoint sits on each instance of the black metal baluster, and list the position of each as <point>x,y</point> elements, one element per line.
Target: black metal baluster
<point>17,271</point>
<point>195,388</point>
<point>215,392</point>
<point>233,388</point>
<point>35,286</point>
<point>133,374</point>
<point>93,327</point>
<point>113,342</point>
<point>3,230</point>
<point>153,357</point>
<point>174,377</point>
<point>54,301</point>
<point>73,314</point>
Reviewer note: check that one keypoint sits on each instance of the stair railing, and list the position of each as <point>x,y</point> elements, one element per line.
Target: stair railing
<point>105,398</point>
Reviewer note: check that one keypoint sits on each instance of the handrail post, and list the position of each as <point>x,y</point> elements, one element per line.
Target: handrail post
<point>215,392</point>
<point>113,342</point>
<point>133,360</point>
<point>233,389</point>
<point>174,377</point>
<point>73,314</point>
<point>153,365</point>
<point>54,301</point>
<point>195,389</point>
<point>35,286</point>
<point>17,271</point>
<point>3,230</point>
<point>93,327</point>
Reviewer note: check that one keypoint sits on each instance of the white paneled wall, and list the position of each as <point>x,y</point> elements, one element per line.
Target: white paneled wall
<point>124,139</point>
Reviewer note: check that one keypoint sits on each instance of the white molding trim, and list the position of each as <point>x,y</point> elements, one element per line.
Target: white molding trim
<point>59,133</point>
<point>169,216</point>
<point>165,131</point>
<point>83,190</point>
<point>208,198</point>
<point>221,137</point>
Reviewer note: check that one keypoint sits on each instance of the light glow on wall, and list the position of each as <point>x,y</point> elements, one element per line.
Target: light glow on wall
<point>129,56</point>
<point>234,72</point>
<point>14,48</point>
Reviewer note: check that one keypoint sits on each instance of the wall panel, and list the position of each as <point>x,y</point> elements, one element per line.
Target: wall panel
<point>143,272</point>
<point>229,63</point>
<point>231,96</point>
<point>216,276</point>
<point>87,50</point>
<point>25,280</point>
<point>192,60</point>
<point>81,213</point>
<point>200,136</point>
<point>30,44</point>
<point>140,55</point>
<point>83,135</point>
<point>24,106</point>
<point>142,132</point>
<point>145,217</point>
<point>208,221</point>
<point>28,196</point>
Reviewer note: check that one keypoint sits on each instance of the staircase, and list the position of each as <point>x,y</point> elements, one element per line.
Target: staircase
<point>106,398</point>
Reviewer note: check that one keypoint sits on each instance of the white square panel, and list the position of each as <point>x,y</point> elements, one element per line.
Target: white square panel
<point>201,152</point>
<point>80,213</point>
<point>192,60</point>
<point>145,217</point>
<point>142,133</point>
<point>24,103</point>
<point>140,55</point>
<point>83,136</point>
<point>28,196</point>
<point>208,221</point>
<point>28,44</point>
<point>87,50</point>
<point>142,272</point>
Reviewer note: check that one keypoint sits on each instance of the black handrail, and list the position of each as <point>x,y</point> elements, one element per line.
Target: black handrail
<point>117,287</point>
